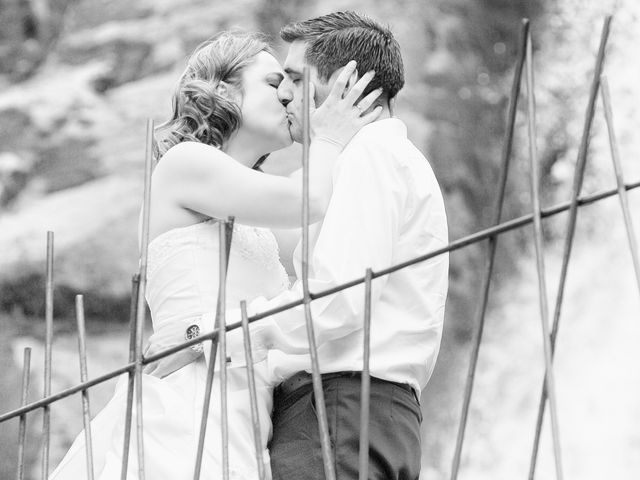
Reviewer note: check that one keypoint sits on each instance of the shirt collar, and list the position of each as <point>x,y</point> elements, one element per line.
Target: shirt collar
<point>385,128</point>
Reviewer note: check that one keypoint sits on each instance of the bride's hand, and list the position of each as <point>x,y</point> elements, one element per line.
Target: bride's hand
<point>341,115</point>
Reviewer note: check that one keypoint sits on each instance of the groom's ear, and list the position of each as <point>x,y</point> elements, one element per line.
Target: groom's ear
<point>352,80</point>
<point>326,86</point>
<point>321,90</point>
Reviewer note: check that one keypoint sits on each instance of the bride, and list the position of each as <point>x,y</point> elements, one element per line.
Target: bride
<point>226,118</point>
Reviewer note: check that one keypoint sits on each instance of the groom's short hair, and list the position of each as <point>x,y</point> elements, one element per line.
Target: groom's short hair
<point>335,39</point>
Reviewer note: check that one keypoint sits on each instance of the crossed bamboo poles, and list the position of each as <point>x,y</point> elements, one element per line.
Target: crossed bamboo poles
<point>137,361</point>
<point>549,339</point>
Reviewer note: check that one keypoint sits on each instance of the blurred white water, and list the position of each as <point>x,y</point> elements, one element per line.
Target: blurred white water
<point>596,366</point>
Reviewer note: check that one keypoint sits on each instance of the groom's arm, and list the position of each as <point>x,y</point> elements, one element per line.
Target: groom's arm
<point>359,231</point>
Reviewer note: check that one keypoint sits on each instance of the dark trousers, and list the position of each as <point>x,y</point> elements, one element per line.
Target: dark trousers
<point>394,429</point>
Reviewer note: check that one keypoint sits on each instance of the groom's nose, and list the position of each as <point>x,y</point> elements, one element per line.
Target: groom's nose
<point>285,94</point>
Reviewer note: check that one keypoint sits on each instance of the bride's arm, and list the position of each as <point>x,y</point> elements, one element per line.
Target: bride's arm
<point>204,179</point>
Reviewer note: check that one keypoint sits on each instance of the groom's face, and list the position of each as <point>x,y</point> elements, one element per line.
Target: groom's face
<point>290,89</point>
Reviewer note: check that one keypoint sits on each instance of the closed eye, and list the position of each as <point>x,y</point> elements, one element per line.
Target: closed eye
<point>275,79</point>
<point>294,75</point>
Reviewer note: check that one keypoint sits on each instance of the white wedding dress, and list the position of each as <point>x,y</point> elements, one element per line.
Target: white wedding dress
<point>182,288</point>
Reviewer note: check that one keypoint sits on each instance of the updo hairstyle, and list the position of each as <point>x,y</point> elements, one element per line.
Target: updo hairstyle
<point>203,112</point>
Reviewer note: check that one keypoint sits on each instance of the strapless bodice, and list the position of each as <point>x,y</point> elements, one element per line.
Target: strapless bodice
<point>183,273</point>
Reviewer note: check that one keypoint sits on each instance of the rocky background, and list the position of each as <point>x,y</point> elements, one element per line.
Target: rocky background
<point>78,79</point>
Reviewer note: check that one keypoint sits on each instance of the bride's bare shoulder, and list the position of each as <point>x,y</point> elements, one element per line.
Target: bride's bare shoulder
<point>186,155</point>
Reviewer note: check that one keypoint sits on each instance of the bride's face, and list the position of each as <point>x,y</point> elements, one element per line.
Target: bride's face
<point>264,118</point>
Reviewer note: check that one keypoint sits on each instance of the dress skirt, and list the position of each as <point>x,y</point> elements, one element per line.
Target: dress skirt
<point>172,409</point>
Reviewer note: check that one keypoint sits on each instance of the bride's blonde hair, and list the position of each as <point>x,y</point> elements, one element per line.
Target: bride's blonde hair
<point>202,111</point>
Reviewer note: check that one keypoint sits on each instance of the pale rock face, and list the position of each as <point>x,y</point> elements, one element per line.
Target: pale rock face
<point>72,152</point>
<point>14,172</point>
<point>95,231</point>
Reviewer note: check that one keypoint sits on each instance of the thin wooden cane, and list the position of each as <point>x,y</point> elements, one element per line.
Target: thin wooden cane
<point>46,411</point>
<point>617,165</point>
<point>253,396</point>
<point>128,418</point>
<point>205,409</point>
<point>571,227</point>
<point>22,429</point>
<point>323,427</point>
<point>86,409</point>
<point>140,303</point>
<point>222,340</point>
<point>538,237</point>
<point>493,242</point>
<point>365,393</point>
<point>225,247</point>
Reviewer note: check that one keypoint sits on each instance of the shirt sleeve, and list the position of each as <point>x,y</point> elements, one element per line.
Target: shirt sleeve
<point>359,231</point>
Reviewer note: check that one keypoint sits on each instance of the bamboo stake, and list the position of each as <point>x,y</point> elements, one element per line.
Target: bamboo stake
<point>86,410</point>
<point>365,396</point>
<point>571,227</point>
<point>538,237</point>
<point>617,165</point>
<point>493,243</point>
<point>222,339</point>
<point>22,429</point>
<point>140,304</point>
<point>225,247</point>
<point>46,412</point>
<point>135,286</point>
<point>327,456</point>
<point>253,396</point>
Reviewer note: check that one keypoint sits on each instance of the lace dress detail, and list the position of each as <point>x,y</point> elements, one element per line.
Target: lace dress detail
<point>257,245</point>
<point>260,247</point>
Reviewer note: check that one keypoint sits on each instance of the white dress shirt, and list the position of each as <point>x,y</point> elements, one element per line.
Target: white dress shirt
<point>386,208</point>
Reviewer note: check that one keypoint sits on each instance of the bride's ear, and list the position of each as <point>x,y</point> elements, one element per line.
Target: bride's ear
<point>223,89</point>
<point>228,92</point>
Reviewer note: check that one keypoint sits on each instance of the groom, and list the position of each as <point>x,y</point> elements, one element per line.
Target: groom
<point>386,208</point>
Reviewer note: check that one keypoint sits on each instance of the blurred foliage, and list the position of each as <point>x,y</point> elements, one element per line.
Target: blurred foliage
<point>271,15</point>
<point>29,29</point>
<point>97,306</point>
<point>471,52</point>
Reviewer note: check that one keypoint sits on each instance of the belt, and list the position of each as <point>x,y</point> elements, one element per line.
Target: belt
<point>302,379</point>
